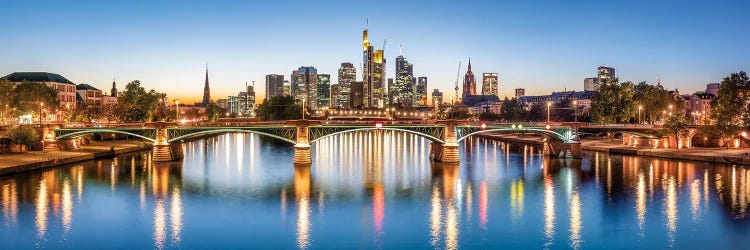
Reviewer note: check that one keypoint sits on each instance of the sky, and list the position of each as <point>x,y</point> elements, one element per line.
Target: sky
<point>542,46</point>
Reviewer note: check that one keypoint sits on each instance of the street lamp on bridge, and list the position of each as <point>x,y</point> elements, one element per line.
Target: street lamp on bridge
<point>640,107</point>
<point>549,104</point>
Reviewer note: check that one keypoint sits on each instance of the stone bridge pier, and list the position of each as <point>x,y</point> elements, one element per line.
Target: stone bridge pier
<point>302,143</point>
<point>563,149</point>
<point>446,152</point>
<point>163,150</point>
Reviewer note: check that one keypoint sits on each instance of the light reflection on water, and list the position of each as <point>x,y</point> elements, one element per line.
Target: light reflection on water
<point>375,190</point>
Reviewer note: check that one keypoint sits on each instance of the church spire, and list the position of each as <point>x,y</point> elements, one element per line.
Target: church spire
<point>206,91</point>
<point>469,63</point>
<point>114,89</point>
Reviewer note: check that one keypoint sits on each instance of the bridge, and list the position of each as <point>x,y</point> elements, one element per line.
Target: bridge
<point>444,135</point>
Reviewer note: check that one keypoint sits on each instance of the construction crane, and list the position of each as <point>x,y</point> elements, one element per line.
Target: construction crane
<point>384,42</point>
<point>458,74</point>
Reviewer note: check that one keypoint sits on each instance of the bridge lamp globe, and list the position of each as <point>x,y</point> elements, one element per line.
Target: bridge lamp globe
<point>513,126</point>
<point>378,125</point>
<point>548,126</point>
<point>744,134</point>
<point>520,126</point>
<point>484,126</point>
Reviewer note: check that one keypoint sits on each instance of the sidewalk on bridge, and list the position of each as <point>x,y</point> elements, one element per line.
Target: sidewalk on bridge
<point>27,161</point>
<point>713,155</point>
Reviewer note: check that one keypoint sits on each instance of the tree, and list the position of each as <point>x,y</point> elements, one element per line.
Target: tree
<point>513,110</point>
<point>653,100</point>
<point>137,98</point>
<point>459,112</point>
<point>563,111</point>
<point>279,107</point>
<point>676,125</point>
<point>28,97</point>
<point>613,103</point>
<point>537,113</point>
<point>24,135</point>
<point>488,116</point>
<point>728,107</point>
<point>213,112</point>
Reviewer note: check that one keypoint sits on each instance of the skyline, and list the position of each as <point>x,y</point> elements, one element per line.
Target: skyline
<point>166,46</point>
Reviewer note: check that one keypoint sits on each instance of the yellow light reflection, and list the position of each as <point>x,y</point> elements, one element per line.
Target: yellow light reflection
<point>435,216</point>
<point>516,199</point>
<point>175,215</point>
<point>41,208</point>
<point>640,202</point>
<point>67,205</point>
<point>10,202</point>
<point>549,210</point>
<point>575,220</point>
<point>302,195</point>
<point>160,224</point>
<point>695,199</point>
<point>670,207</point>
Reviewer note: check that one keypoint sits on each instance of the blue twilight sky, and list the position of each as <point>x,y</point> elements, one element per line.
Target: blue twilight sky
<point>538,45</point>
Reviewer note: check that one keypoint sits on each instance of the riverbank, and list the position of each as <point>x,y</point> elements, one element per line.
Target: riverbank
<point>713,155</point>
<point>27,161</point>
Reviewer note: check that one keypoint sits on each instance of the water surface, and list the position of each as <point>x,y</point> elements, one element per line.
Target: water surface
<point>375,190</point>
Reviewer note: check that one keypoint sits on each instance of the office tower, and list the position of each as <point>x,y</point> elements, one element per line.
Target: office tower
<point>335,102</point>
<point>274,85</point>
<point>305,86</point>
<point>520,92</point>
<point>206,91</point>
<point>347,76</point>
<point>421,93</point>
<point>324,91</point>
<point>356,98</point>
<point>470,85</point>
<point>390,87</point>
<point>489,84</point>
<point>402,91</point>
<point>606,74</point>
<point>590,84</point>
<point>437,98</point>
<point>373,72</point>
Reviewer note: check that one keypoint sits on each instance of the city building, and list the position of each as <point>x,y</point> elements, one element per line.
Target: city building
<point>324,91</point>
<point>421,93</point>
<point>223,103</point>
<point>437,98</point>
<point>478,104</point>
<point>206,92</point>
<point>305,86</point>
<point>605,74</point>
<point>347,76</point>
<point>233,105</point>
<point>470,85</point>
<point>402,91</point>
<point>520,92</point>
<point>66,90</point>
<point>390,92</point>
<point>489,84</point>
<point>250,100</point>
<point>583,99</point>
<point>274,85</point>
<point>335,102</point>
<point>90,96</point>
<point>590,84</point>
<point>109,100</point>
<point>113,91</point>
<point>357,96</point>
<point>373,72</point>
<point>698,107</point>
<point>713,88</point>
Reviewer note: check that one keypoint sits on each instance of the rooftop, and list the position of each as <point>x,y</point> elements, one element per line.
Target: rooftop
<point>36,77</point>
<point>84,86</point>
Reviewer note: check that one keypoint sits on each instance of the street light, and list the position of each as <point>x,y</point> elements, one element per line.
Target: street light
<point>640,107</point>
<point>177,109</point>
<point>549,104</point>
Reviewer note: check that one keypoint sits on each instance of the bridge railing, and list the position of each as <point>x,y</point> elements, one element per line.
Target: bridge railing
<point>103,125</point>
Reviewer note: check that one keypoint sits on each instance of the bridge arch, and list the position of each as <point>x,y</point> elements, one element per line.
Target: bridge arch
<point>567,137</point>
<point>228,130</point>
<point>94,131</point>
<point>423,135</point>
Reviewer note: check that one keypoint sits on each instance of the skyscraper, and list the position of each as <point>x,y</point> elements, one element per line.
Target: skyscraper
<point>606,74</point>
<point>373,72</point>
<point>470,85</point>
<point>206,91</point>
<point>590,84</point>
<point>347,76</point>
<point>305,86</point>
<point>489,83</point>
<point>421,93</point>
<point>402,91</point>
<point>356,98</point>
<point>437,98</point>
<point>324,91</point>
<point>274,85</point>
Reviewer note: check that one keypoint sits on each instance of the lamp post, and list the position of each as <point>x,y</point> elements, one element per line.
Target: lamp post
<point>575,114</point>
<point>640,107</point>
<point>303,108</point>
<point>549,104</point>
<point>41,105</point>
<point>177,109</point>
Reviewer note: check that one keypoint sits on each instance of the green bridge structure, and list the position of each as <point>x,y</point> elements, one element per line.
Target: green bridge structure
<point>444,135</point>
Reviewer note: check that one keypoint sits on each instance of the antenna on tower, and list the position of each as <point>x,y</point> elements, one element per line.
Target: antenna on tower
<point>400,47</point>
<point>367,23</point>
<point>458,74</point>
<point>658,80</point>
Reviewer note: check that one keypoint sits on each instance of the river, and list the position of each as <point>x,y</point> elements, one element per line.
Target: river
<point>375,190</point>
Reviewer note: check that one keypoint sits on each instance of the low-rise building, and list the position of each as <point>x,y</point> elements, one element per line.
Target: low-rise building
<point>66,90</point>
<point>92,97</point>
